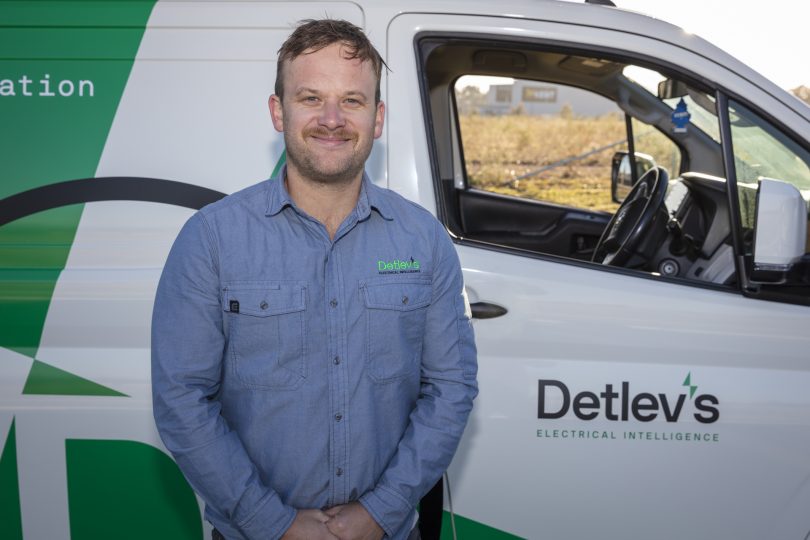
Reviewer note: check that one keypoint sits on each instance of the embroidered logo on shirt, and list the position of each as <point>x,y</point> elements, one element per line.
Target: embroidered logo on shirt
<point>398,267</point>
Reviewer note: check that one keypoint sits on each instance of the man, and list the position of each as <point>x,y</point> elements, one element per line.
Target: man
<point>312,355</point>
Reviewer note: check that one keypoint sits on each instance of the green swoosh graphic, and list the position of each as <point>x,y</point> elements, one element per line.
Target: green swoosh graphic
<point>51,138</point>
<point>45,379</point>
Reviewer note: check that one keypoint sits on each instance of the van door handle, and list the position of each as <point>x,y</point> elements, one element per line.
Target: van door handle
<point>485,310</point>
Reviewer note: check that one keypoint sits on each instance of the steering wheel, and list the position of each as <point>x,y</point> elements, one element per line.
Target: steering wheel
<point>633,219</point>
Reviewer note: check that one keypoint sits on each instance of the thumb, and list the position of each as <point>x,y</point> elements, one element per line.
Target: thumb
<point>332,512</point>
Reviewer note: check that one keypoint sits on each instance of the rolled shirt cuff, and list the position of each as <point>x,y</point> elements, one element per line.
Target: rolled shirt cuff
<point>390,510</point>
<point>271,520</point>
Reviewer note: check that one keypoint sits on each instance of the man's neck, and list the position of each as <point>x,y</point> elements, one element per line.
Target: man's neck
<point>328,203</point>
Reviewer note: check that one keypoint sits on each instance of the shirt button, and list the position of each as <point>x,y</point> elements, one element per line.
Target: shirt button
<point>333,303</point>
<point>339,471</point>
<point>404,299</point>
<point>336,360</point>
<point>338,417</point>
<point>263,305</point>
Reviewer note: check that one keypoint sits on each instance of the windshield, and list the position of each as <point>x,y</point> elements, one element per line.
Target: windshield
<point>703,110</point>
<point>700,105</point>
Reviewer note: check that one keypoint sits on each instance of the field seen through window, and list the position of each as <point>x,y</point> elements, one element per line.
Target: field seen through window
<point>500,150</point>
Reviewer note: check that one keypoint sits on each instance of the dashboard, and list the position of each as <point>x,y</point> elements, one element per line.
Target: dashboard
<point>697,242</point>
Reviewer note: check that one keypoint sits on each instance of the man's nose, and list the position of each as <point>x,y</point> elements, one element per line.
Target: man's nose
<point>331,115</point>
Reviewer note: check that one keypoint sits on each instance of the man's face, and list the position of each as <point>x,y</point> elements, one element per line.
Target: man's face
<point>328,115</point>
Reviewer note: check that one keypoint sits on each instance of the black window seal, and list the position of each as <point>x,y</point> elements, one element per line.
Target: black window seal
<point>721,99</point>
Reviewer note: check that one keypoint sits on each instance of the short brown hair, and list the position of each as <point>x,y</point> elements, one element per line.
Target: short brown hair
<point>312,35</point>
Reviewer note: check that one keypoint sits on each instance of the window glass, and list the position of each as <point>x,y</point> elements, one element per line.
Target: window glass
<point>555,135</point>
<point>700,105</point>
<point>650,141</point>
<point>548,142</point>
<point>702,110</point>
<point>760,150</point>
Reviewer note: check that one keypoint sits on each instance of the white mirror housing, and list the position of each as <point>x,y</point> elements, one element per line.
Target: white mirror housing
<point>781,226</point>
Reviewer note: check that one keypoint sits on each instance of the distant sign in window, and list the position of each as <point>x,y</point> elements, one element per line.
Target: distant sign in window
<point>540,94</point>
<point>503,94</point>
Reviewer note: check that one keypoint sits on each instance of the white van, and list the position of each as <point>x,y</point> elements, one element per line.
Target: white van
<point>629,204</point>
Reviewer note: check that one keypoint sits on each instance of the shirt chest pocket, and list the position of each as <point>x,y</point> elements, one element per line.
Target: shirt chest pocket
<point>395,326</point>
<point>267,330</point>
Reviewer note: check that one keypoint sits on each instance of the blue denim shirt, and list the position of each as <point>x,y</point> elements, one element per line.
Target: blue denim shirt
<point>294,371</point>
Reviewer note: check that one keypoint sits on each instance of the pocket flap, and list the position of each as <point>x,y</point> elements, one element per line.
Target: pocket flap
<point>402,295</point>
<point>264,298</point>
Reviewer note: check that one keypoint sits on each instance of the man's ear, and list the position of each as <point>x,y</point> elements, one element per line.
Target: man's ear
<point>379,119</point>
<point>276,112</point>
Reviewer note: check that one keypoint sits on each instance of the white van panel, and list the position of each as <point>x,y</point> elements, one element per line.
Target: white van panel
<point>109,284</point>
<point>588,328</point>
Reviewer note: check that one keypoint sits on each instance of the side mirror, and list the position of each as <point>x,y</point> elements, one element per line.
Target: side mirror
<point>621,173</point>
<point>780,230</point>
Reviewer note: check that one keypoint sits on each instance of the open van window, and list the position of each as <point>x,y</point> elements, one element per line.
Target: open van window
<point>539,140</point>
<point>535,152</point>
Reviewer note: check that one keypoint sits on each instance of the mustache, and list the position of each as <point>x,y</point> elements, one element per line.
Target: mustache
<point>323,133</point>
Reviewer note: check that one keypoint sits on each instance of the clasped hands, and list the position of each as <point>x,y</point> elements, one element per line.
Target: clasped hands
<point>345,522</point>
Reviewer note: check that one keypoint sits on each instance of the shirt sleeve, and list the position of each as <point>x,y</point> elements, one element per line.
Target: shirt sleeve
<point>448,387</point>
<point>187,348</point>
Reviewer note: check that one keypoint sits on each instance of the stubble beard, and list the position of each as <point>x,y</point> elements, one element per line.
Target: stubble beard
<point>311,166</point>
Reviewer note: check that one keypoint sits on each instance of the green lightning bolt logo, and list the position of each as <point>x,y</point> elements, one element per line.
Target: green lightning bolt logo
<point>692,387</point>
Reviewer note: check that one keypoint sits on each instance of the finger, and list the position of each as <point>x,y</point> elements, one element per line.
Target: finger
<point>336,525</point>
<point>314,514</point>
<point>335,510</point>
<point>322,516</point>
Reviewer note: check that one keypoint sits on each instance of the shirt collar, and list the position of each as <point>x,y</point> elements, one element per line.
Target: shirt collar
<point>371,197</point>
<point>277,196</point>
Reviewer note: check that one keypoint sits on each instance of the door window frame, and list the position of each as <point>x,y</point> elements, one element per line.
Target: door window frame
<point>424,45</point>
<point>425,42</point>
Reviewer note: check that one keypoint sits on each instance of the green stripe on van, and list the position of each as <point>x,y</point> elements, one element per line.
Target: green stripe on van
<point>33,251</point>
<point>468,529</point>
<point>45,379</point>
<point>57,102</point>
<point>87,13</point>
<point>282,159</point>
<point>127,490</point>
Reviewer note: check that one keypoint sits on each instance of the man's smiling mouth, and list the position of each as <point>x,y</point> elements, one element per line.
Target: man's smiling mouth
<point>330,139</point>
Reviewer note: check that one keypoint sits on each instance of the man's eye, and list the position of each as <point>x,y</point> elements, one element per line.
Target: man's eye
<point>352,101</point>
<point>311,99</point>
